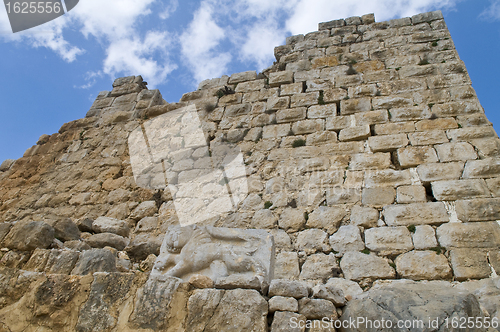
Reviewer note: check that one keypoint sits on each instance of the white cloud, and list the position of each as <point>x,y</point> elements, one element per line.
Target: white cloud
<point>199,45</point>
<point>308,13</point>
<point>112,19</point>
<point>493,11</point>
<point>260,43</point>
<point>169,9</point>
<point>133,56</point>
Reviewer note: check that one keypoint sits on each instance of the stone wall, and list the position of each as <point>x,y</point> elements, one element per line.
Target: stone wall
<point>368,157</point>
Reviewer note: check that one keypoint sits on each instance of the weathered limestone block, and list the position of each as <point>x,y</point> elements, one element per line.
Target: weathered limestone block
<point>358,266</point>
<point>385,143</point>
<point>320,267</point>
<point>312,240</point>
<point>378,196</point>
<point>387,177</point>
<point>288,288</point>
<point>459,189</point>
<point>145,209</point>
<point>411,194</point>
<point>292,219</point>
<point>413,156</point>
<point>29,235</point>
<point>281,77</point>
<point>388,240</point>
<point>480,209</point>
<point>285,321</point>
<point>469,263</point>
<point>242,77</point>
<point>250,86</point>
<point>110,225</point>
<point>144,245</point>
<point>147,224</point>
<point>321,111</point>
<point>278,103</point>
<point>95,260</point>
<point>317,309</point>
<point>327,218</point>
<point>424,237</point>
<point>411,301</point>
<point>61,261</point>
<point>488,147</point>
<point>353,106</point>
<point>66,230</point>
<point>108,291</point>
<point>276,131</point>
<point>291,89</point>
<point>366,217</point>
<point>308,126</point>
<point>394,128</point>
<point>38,260</point>
<point>347,238</point>
<point>286,266</point>
<point>304,99</point>
<point>483,168</point>
<point>471,133</point>
<point>102,240</point>
<point>429,137</point>
<point>493,185</point>
<point>361,161</point>
<point>264,218</point>
<point>423,265</point>
<point>216,253</point>
<point>415,214</point>
<point>281,303</point>
<point>455,152</point>
<point>6,165</point>
<point>440,171</point>
<point>469,235</point>
<point>355,133</point>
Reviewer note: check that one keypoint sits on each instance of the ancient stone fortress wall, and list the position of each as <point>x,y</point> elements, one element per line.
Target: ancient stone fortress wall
<point>371,191</point>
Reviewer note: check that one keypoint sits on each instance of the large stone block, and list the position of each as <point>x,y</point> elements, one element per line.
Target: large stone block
<point>459,189</point>
<point>411,194</point>
<point>411,302</point>
<point>469,235</point>
<point>215,310</point>
<point>366,217</point>
<point>285,321</point>
<point>358,266</point>
<point>440,171</point>
<point>308,126</point>
<point>347,238</point>
<point>242,77</point>
<point>95,260</point>
<point>388,240</point>
<point>455,152</point>
<point>286,266</point>
<point>484,168</point>
<point>480,209</point>
<point>289,115</point>
<point>288,288</point>
<point>356,133</point>
<point>469,263</point>
<point>281,303</point>
<point>29,235</point>
<point>361,161</point>
<point>320,267</point>
<point>327,218</point>
<point>415,214</point>
<point>424,237</point>
<point>385,143</point>
<point>378,196</point>
<point>415,155</point>
<point>312,240</point>
<point>423,265</point>
<point>110,225</point>
<point>353,106</point>
<point>387,177</point>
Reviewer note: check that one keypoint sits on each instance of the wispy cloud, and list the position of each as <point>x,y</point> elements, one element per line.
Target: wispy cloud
<point>492,12</point>
<point>200,45</point>
<point>169,9</point>
<point>134,56</point>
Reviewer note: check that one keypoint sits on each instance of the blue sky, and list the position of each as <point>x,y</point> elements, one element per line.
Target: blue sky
<point>51,74</point>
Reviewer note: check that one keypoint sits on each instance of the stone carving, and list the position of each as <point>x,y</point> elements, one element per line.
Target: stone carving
<point>216,252</point>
